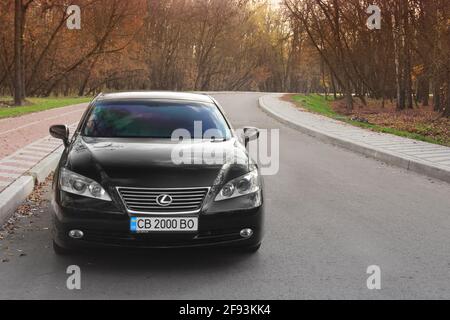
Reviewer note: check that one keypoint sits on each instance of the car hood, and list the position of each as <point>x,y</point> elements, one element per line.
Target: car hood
<point>149,163</point>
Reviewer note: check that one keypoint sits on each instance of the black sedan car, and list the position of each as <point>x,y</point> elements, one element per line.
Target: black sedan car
<point>156,170</point>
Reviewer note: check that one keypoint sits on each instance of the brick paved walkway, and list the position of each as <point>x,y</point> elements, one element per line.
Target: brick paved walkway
<point>24,141</point>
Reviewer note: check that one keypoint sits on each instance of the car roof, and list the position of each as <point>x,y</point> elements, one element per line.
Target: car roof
<point>155,95</point>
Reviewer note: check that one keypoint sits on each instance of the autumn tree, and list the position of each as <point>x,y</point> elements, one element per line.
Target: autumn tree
<point>321,46</point>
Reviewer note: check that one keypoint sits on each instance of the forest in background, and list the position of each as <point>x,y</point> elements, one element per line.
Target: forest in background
<point>302,46</point>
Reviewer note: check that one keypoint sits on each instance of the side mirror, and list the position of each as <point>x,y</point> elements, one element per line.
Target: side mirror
<point>60,132</point>
<point>250,134</point>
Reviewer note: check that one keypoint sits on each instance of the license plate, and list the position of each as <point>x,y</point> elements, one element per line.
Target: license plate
<point>145,225</point>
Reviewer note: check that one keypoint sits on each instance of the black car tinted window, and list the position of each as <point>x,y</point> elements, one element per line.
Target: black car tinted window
<point>153,119</point>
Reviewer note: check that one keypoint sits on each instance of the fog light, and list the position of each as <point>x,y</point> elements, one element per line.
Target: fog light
<point>246,233</point>
<point>76,234</point>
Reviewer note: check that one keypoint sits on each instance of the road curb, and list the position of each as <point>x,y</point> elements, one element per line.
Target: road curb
<point>14,195</point>
<point>388,157</point>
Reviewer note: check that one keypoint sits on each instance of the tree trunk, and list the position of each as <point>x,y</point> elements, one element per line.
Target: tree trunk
<point>19,94</point>
<point>407,55</point>
<point>348,97</point>
<point>333,85</point>
<point>408,89</point>
<point>423,89</point>
<point>446,111</point>
<point>436,96</point>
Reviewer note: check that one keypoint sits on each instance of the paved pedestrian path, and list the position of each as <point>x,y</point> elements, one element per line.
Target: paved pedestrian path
<point>25,142</point>
<point>20,162</point>
<point>418,156</point>
<point>16,133</point>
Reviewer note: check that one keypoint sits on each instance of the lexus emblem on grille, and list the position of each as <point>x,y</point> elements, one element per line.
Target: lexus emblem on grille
<point>164,200</point>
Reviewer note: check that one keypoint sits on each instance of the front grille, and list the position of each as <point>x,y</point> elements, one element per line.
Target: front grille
<point>143,200</point>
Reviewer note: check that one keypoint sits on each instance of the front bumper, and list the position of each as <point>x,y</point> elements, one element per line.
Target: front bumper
<point>105,230</point>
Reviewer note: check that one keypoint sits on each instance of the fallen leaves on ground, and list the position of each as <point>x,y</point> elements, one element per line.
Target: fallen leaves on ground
<point>420,120</point>
<point>31,207</point>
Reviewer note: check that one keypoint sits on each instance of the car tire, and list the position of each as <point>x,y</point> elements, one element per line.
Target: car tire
<point>61,251</point>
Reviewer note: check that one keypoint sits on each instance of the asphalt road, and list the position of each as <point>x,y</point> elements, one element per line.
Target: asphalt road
<point>331,213</point>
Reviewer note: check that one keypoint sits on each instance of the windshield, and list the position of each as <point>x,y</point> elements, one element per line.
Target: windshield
<point>155,119</point>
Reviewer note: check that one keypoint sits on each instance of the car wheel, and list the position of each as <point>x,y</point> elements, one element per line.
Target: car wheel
<point>60,251</point>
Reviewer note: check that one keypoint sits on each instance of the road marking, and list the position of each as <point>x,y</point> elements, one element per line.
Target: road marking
<point>45,151</point>
<point>9,175</point>
<point>10,172</point>
<point>418,148</point>
<point>24,159</point>
<point>37,156</point>
<point>437,158</point>
<point>24,162</point>
<point>17,165</point>
<point>440,152</point>
<point>49,148</point>
<point>11,169</point>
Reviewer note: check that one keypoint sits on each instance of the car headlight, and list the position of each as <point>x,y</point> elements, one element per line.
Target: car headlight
<point>72,182</point>
<point>239,187</point>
